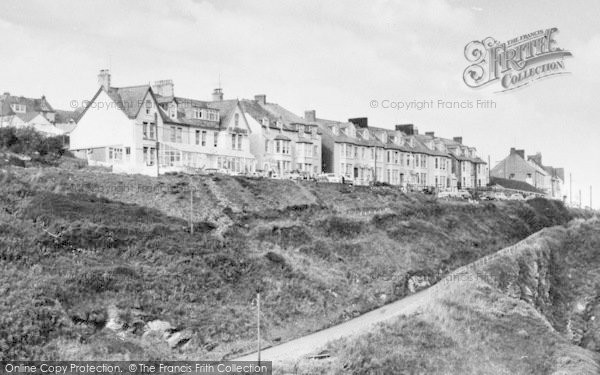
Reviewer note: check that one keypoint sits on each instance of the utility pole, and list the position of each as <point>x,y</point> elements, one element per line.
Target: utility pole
<point>191,207</point>
<point>579,198</point>
<point>258,323</point>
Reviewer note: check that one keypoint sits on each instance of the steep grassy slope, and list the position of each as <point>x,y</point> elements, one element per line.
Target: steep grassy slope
<point>77,247</point>
<point>513,313</point>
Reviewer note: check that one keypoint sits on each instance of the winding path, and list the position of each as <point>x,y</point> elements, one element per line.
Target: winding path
<point>310,344</point>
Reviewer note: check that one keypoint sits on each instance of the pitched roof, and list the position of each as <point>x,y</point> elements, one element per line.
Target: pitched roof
<point>33,107</point>
<point>129,99</point>
<point>275,114</point>
<point>226,109</point>
<point>514,184</point>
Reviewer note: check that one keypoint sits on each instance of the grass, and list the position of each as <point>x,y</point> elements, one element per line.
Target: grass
<point>78,241</point>
<point>504,316</point>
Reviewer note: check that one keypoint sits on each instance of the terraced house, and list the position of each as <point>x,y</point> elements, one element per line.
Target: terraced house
<point>147,129</point>
<point>281,141</point>
<point>398,156</point>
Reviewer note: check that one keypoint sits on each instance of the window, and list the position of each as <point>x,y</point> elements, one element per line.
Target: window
<point>239,141</point>
<point>127,150</point>
<point>266,146</point>
<point>203,137</point>
<point>19,108</point>
<point>173,135</point>
<point>152,128</point>
<point>216,139</point>
<point>355,152</point>
<point>197,137</point>
<point>277,146</point>
<point>436,164</point>
<point>237,119</point>
<point>115,153</point>
<point>145,129</point>
<point>179,134</point>
<point>148,106</point>
<point>315,151</point>
<point>233,141</point>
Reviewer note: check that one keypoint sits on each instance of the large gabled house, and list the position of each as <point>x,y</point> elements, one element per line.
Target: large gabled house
<point>281,141</point>
<point>531,170</point>
<point>146,129</point>
<point>19,112</point>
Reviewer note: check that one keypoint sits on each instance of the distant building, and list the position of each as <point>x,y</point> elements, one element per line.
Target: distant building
<point>135,128</point>
<point>280,140</point>
<point>19,111</point>
<point>515,166</point>
<point>399,156</point>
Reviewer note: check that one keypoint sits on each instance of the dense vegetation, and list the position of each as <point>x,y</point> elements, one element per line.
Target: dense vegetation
<point>76,244</point>
<point>28,142</point>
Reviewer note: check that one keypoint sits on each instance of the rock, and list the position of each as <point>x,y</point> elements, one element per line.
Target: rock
<point>158,328</point>
<point>179,338</point>
<point>416,283</point>
<point>114,322</point>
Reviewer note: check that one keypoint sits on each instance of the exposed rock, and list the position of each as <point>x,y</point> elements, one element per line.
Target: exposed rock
<point>416,283</point>
<point>158,328</point>
<point>114,321</point>
<point>179,338</point>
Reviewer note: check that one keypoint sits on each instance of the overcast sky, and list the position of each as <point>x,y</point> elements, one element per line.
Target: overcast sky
<point>331,56</point>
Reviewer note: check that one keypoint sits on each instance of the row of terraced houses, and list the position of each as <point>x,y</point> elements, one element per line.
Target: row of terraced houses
<point>148,129</point>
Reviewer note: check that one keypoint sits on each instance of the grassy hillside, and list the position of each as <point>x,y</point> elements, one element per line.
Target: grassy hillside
<point>530,309</point>
<point>80,249</point>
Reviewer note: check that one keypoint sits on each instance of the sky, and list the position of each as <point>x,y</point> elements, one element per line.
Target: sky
<point>335,57</point>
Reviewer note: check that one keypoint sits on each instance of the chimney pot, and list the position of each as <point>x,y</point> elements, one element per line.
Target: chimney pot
<point>310,115</point>
<point>261,98</point>
<point>104,79</point>
<point>430,134</point>
<point>458,140</point>
<point>217,95</point>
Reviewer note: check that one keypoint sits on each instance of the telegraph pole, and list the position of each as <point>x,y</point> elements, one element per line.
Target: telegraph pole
<point>191,207</point>
<point>258,323</point>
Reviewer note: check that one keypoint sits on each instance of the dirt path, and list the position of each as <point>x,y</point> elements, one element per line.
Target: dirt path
<point>311,344</point>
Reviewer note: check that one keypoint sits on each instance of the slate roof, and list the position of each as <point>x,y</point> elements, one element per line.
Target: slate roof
<point>514,184</point>
<point>275,113</point>
<point>33,107</point>
<point>129,99</point>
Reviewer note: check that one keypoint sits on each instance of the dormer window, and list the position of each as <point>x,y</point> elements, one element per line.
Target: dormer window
<point>265,122</point>
<point>365,135</point>
<point>197,113</point>
<point>19,108</point>
<point>300,129</point>
<point>411,142</point>
<point>335,130</point>
<point>280,124</point>
<point>213,116</point>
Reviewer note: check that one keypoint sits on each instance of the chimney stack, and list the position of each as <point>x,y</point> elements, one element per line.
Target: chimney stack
<point>408,129</point>
<point>104,79</point>
<point>310,116</point>
<point>457,140</point>
<point>164,87</point>
<point>217,95</point>
<point>262,98</point>
<point>361,122</point>
<point>521,153</point>
<point>430,134</point>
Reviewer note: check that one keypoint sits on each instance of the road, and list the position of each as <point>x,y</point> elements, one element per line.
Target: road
<point>310,344</point>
